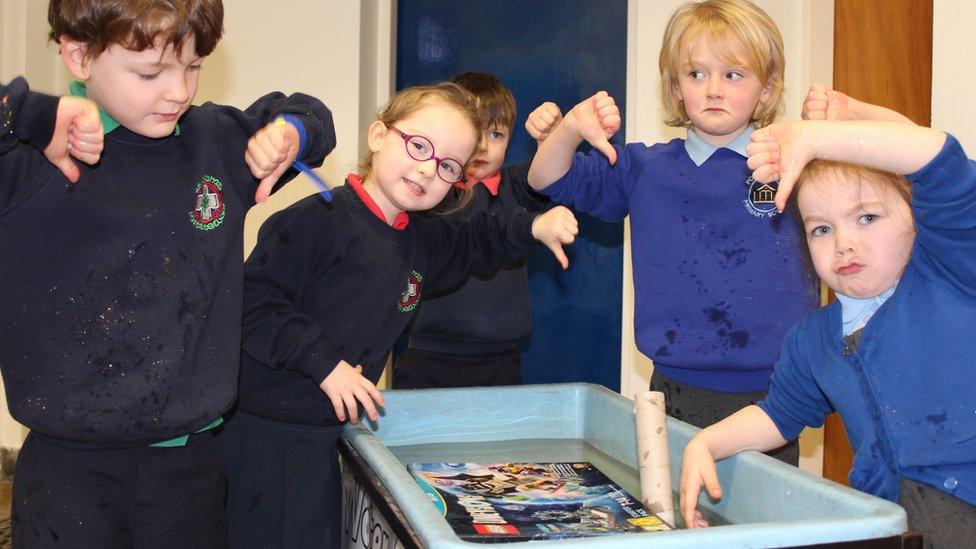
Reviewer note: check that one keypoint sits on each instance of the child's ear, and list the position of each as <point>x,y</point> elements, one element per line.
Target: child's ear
<point>74,55</point>
<point>767,92</point>
<point>375,134</point>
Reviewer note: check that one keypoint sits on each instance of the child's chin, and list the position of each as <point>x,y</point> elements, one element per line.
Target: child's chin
<point>478,174</point>
<point>865,293</point>
<point>155,131</point>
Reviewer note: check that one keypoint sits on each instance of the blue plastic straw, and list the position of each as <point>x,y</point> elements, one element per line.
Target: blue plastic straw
<point>323,188</point>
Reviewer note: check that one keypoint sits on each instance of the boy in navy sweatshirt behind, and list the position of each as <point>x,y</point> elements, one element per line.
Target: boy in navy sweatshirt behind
<point>122,277</point>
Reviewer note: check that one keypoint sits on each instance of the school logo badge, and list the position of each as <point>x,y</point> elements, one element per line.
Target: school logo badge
<point>411,296</point>
<point>208,210</point>
<point>760,199</point>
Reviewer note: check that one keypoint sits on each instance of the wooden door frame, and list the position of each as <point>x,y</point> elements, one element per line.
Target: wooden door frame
<point>882,55</point>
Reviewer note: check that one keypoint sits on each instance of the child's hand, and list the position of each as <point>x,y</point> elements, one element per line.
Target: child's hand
<point>543,120</point>
<point>597,119</point>
<point>345,385</point>
<point>779,152</point>
<point>824,104</point>
<point>77,133</point>
<point>697,470</point>
<point>269,153</point>
<point>554,228</point>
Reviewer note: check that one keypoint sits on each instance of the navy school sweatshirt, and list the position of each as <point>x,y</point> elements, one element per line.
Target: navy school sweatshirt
<point>490,311</point>
<point>121,295</point>
<point>332,281</point>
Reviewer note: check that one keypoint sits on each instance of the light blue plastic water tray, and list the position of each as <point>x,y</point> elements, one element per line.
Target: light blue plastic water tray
<point>768,503</point>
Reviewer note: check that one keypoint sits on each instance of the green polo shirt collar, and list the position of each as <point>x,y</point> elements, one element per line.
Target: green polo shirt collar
<point>181,441</point>
<point>78,89</point>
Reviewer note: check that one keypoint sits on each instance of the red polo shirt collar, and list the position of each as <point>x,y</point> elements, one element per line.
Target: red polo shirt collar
<point>491,182</point>
<point>356,182</point>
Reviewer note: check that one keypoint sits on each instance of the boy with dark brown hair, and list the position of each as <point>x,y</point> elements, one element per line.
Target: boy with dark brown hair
<point>121,318</point>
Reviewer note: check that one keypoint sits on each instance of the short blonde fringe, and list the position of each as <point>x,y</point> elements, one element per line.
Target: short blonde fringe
<point>727,24</point>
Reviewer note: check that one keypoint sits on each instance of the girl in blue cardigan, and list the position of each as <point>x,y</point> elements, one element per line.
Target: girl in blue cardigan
<point>890,355</point>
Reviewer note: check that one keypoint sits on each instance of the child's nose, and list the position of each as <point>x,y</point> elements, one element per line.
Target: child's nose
<point>715,88</point>
<point>178,91</point>
<point>843,244</point>
<point>427,167</point>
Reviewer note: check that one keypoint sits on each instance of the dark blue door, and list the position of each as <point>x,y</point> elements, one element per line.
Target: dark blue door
<point>543,50</point>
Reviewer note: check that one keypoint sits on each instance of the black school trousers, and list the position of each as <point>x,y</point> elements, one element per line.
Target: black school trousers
<point>703,407</point>
<point>284,483</point>
<point>422,369</point>
<point>144,497</point>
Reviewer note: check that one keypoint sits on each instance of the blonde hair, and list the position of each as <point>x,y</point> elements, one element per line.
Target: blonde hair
<point>727,24</point>
<point>819,170</point>
<point>412,99</point>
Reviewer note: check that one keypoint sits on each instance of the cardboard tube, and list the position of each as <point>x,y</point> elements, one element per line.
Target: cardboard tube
<point>653,458</point>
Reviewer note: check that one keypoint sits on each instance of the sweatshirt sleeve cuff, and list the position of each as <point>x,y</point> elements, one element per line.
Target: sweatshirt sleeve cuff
<point>789,430</point>
<point>950,165</point>
<point>300,128</point>
<point>36,120</point>
<point>318,363</point>
<point>523,226</point>
<point>318,137</point>
<point>32,115</point>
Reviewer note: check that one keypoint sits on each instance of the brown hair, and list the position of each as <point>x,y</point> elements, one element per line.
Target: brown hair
<point>137,24</point>
<point>496,102</point>
<point>412,99</point>
<point>726,24</point>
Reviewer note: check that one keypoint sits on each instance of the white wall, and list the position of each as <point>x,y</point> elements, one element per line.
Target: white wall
<point>24,48</point>
<point>953,108</point>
